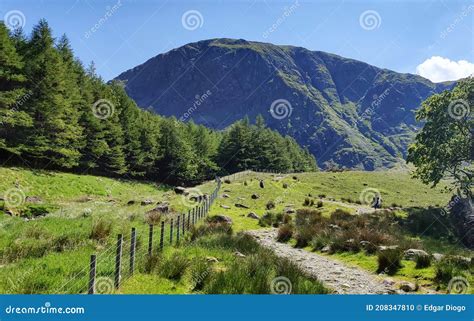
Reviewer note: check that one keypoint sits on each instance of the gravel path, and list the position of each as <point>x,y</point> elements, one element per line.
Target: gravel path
<point>339,277</point>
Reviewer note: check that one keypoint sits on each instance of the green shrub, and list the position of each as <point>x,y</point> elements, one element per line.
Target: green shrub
<point>199,273</point>
<point>209,227</point>
<point>422,261</point>
<point>319,204</point>
<point>449,267</point>
<point>174,267</point>
<point>272,219</point>
<point>285,232</point>
<point>389,261</point>
<point>270,205</point>
<point>101,230</point>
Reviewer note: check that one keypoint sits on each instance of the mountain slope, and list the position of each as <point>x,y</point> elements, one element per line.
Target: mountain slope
<point>345,111</point>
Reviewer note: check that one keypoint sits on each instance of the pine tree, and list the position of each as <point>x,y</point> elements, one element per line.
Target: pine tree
<point>52,139</point>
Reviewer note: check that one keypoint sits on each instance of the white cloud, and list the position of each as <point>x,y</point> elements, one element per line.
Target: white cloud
<point>439,69</point>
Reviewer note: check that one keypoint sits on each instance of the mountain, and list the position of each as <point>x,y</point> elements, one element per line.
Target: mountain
<point>345,111</point>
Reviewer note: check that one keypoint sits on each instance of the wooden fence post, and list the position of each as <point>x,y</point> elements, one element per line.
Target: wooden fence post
<point>93,264</point>
<point>133,244</point>
<point>177,229</point>
<point>184,223</point>
<point>118,261</point>
<point>150,240</point>
<point>162,234</point>
<point>189,220</point>
<point>171,232</point>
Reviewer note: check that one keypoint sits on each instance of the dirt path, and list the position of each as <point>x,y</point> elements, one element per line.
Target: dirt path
<point>341,278</point>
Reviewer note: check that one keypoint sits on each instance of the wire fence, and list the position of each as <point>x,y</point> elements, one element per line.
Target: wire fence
<point>113,265</point>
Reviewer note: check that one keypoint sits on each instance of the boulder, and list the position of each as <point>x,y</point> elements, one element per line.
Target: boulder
<point>255,196</point>
<point>225,207</point>
<point>412,254</point>
<point>33,199</point>
<point>262,184</point>
<point>241,206</point>
<point>326,249</point>
<point>387,247</point>
<point>147,202</point>
<point>211,259</point>
<point>253,215</point>
<point>162,208</point>
<point>179,190</point>
<point>438,256</point>
<point>220,219</point>
<point>238,254</point>
<point>408,287</point>
<point>225,195</point>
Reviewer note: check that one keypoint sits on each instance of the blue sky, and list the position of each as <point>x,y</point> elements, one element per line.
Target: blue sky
<point>433,38</point>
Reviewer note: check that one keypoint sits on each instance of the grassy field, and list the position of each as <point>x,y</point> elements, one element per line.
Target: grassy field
<point>42,254</point>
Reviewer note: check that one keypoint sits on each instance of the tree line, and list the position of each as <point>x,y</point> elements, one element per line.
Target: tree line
<point>55,113</point>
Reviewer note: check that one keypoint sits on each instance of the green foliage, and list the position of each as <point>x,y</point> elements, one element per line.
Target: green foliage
<point>444,147</point>
<point>389,261</point>
<point>57,114</point>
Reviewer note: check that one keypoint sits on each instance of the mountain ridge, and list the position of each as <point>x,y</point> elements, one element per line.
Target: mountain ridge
<point>347,112</point>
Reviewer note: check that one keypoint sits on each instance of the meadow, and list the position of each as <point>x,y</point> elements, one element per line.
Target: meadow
<point>47,240</point>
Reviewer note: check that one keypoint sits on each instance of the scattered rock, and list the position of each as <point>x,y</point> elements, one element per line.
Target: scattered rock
<point>211,259</point>
<point>255,196</point>
<point>179,190</point>
<point>326,249</point>
<point>147,202</point>
<point>412,254</point>
<point>386,248</point>
<point>285,185</point>
<point>241,206</point>
<point>388,282</point>
<point>408,287</point>
<point>33,199</point>
<point>238,254</point>
<point>84,199</point>
<point>253,215</point>
<point>221,219</point>
<point>290,210</point>
<point>334,226</point>
<point>225,195</point>
<point>162,208</point>
<point>438,256</point>
<point>364,244</point>
<point>131,202</point>
<point>225,207</point>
